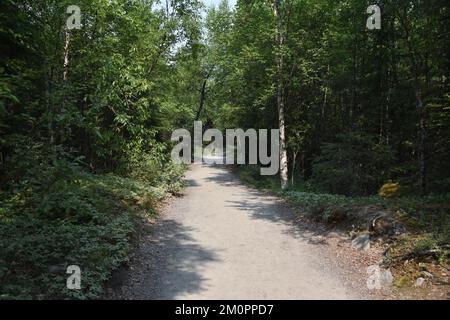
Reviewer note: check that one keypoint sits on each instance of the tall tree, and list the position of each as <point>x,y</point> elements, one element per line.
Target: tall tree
<point>279,40</point>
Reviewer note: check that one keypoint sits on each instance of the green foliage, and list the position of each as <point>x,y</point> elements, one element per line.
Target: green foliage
<point>251,175</point>
<point>315,204</point>
<point>351,95</point>
<point>84,145</point>
<point>65,216</point>
<point>353,165</point>
<point>426,217</point>
<point>158,171</point>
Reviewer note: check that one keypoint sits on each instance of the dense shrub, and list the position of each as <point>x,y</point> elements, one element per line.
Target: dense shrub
<point>59,215</point>
<point>354,165</point>
<point>251,175</point>
<point>158,170</point>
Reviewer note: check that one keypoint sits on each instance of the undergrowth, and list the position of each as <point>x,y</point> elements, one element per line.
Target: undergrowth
<point>426,218</point>
<point>60,215</point>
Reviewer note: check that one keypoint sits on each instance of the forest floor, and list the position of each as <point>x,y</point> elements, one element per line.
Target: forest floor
<point>224,240</point>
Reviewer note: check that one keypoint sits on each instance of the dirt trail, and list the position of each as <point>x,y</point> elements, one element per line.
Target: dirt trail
<point>222,240</point>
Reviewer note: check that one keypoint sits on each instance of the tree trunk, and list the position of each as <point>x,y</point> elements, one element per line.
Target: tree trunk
<point>294,158</point>
<point>202,99</point>
<point>62,110</point>
<point>49,108</point>
<point>66,56</point>
<point>279,38</point>
<point>324,104</point>
<point>422,140</point>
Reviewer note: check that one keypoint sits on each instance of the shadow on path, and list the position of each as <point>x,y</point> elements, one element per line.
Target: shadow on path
<point>276,210</point>
<point>157,275</point>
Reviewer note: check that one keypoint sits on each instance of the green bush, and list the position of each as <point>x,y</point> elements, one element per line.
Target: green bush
<point>157,170</point>
<point>60,215</point>
<point>251,175</point>
<point>354,165</point>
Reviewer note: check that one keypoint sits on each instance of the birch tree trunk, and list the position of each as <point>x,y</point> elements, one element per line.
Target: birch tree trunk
<point>279,39</point>
<point>62,110</point>
<point>66,56</point>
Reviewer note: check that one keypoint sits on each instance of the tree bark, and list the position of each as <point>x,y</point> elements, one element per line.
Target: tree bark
<point>66,56</point>
<point>294,160</point>
<point>64,85</point>
<point>422,140</point>
<point>49,108</point>
<point>279,39</point>
<point>202,99</point>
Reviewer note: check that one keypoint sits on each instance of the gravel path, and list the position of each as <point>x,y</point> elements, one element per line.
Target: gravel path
<point>223,240</point>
